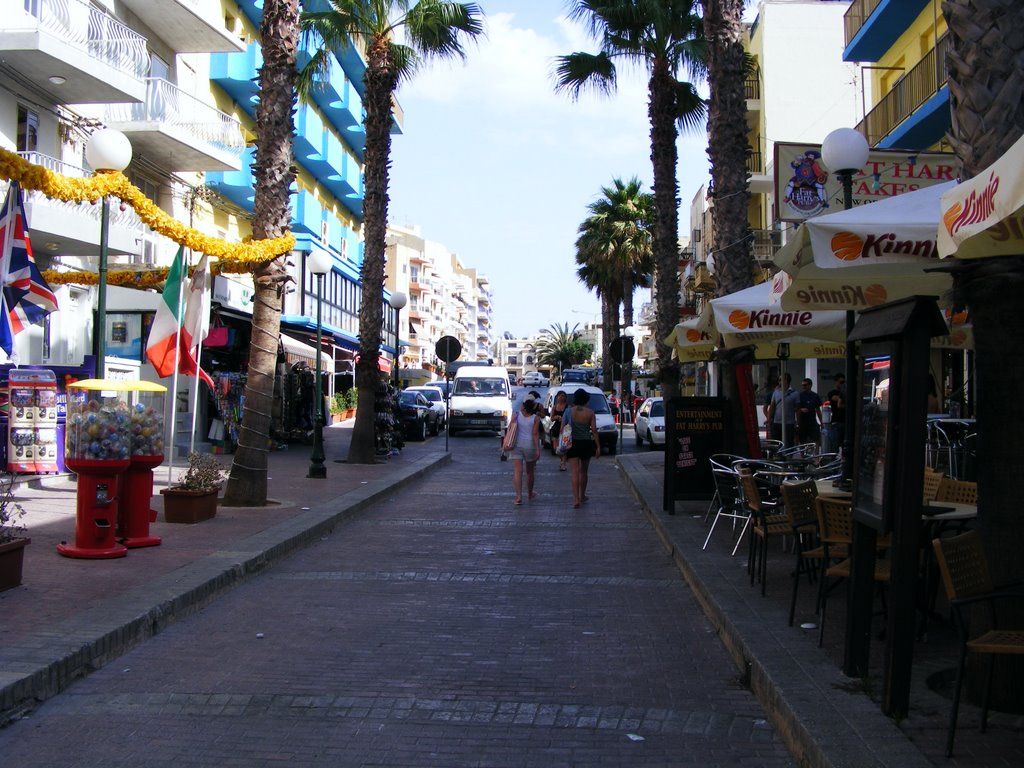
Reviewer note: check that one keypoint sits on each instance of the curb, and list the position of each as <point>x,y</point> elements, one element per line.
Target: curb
<point>46,663</point>
<point>823,716</point>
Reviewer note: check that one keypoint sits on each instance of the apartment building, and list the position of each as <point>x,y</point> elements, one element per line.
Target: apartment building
<point>445,298</point>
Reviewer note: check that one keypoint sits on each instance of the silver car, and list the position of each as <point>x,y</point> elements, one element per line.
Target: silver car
<point>650,423</point>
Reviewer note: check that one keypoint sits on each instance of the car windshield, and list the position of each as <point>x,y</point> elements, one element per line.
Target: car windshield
<point>408,398</point>
<point>657,409</point>
<point>433,395</point>
<point>483,387</point>
<point>597,403</point>
<point>574,376</point>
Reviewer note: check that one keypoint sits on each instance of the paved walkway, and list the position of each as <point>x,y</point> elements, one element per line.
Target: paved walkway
<point>74,616</point>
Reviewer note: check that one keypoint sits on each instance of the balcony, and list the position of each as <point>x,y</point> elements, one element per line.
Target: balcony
<point>59,227</point>
<point>178,130</point>
<point>873,26</point>
<point>767,243</point>
<point>188,26</point>
<point>915,113</point>
<point>74,53</point>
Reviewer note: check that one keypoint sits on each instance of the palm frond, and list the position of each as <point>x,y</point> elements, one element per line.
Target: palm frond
<point>578,72</point>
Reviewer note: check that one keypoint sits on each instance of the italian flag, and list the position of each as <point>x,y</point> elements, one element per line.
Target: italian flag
<point>173,339</point>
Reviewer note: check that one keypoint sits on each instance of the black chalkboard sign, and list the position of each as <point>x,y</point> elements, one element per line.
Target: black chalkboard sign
<point>878,384</point>
<point>696,428</point>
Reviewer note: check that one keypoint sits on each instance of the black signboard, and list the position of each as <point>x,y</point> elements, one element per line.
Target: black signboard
<point>879,393</point>
<point>696,428</point>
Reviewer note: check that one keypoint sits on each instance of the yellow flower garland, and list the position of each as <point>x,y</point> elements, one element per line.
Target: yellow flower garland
<point>69,189</point>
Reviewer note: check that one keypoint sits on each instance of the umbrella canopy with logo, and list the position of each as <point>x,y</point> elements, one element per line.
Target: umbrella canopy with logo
<point>864,256</point>
<point>984,216</point>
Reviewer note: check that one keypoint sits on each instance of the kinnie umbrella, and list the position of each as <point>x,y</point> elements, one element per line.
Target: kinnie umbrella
<point>864,256</point>
<point>749,317</point>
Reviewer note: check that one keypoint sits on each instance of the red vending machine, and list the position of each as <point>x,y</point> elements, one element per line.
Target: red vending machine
<point>32,419</point>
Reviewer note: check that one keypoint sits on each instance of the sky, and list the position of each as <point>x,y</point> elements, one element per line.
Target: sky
<point>499,169</point>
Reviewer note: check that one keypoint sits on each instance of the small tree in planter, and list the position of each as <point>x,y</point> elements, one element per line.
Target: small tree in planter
<point>194,498</point>
<point>13,538</point>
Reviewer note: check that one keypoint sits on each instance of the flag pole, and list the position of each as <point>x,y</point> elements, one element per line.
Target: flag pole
<point>177,358</point>
<point>195,396</point>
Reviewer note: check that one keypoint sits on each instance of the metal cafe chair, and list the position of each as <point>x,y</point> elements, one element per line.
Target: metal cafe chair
<point>767,520</point>
<point>719,461</point>
<point>730,503</point>
<point>966,578</point>
<point>798,501</point>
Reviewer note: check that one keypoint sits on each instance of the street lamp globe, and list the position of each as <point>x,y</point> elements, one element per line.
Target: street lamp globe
<point>319,262</point>
<point>397,300</point>
<point>108,150</point>
<point>845,149</point>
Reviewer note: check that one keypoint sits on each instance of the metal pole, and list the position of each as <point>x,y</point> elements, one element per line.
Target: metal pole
<point>398,314</point>
<point>851,358</point>
<point>100,336</point>
<point>316,461</point>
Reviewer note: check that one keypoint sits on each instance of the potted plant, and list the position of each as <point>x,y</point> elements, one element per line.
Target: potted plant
<point>194,498</point>
<point>12,535</point>
<point>343,405</point>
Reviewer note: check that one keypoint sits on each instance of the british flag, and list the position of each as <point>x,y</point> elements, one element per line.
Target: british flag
<point>26,296</point>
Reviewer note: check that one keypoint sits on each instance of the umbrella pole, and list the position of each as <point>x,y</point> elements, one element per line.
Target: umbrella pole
<point>851,402</point>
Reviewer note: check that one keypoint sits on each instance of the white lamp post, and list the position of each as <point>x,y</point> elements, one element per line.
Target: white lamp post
<point>845,151</point>
<point>625,339</point>
<point>397,301</point>
<point>108,151</point>
<point>319,263</point>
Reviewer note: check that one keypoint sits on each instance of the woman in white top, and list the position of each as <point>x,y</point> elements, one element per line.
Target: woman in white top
<point>527,448</point>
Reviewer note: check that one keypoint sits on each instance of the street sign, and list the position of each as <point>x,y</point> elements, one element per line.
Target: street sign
<point>448,349</point>
<point>622,350</point>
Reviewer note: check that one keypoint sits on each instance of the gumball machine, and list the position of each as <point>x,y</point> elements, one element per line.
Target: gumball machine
<point>97,448</point>
<point>146,434</point>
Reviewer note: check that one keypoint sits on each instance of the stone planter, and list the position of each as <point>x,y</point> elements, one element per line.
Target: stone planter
<point>185,506</point>
<point>12,558</point>
<point>337,418</point>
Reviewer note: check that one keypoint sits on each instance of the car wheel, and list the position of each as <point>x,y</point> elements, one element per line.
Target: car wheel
<point>650,441</point>
<point>421,431</point>
<point>435,427</point>
<point>611,450</point>
<point>639,440</point>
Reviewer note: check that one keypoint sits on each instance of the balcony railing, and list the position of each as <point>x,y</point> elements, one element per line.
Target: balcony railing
<point>767,242</point>
<point>755,163</point>
<point>168,105</point>
<point>752,88</point>
<point>121,216</point>
<point>85,26</point>
<point>858,13</point>
<point>908,94</point>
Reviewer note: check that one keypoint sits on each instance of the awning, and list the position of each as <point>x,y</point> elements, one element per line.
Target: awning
<point>295,351</point>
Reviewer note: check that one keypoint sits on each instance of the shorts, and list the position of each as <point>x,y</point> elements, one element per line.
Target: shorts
<point>581,449</point>
<point>520,454</point>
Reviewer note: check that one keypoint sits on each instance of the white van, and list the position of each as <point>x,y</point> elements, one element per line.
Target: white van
<point>480,399</point>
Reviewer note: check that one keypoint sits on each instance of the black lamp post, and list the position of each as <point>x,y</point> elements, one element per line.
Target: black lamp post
<point>108,151</point>
<point>319,264</point>
<point>845,151</point>
<point>397,301</point>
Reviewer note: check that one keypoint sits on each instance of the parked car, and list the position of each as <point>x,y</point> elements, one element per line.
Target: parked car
<point>606,427</point>
<point>650,423</point>
<point>418,418</point>
<point>445,385</point>
<point>535,379</point>
<point>436,398</point>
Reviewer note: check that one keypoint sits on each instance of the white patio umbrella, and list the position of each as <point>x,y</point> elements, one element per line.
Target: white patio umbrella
<point>750,317</point>
<point>984,216</point>
<point>864,256</point>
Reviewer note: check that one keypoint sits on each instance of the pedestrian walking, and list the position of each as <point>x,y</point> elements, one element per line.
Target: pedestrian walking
<point>558,407</point>
<point>526,450</point>
<point>585,445</point>
<point>784,402</point>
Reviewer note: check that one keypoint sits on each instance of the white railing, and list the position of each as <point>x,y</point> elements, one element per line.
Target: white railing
<point>166,103</point>
<point>126,218</point>
<point>86,27</point>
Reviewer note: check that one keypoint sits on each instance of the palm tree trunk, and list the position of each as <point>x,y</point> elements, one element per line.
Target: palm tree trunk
<point>381,80</point>
<point>273,175</point>
<point>985,83</point>
<point>664,155</point>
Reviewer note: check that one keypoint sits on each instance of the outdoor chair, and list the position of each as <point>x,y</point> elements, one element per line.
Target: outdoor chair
<point>931,485</point>
<point>798,501</point>
<point>730,503</point>
<point>835,527</point>
<point>768,520</point>
<point>957,491</point>
<point>966,578</point>
<point>722,461</point>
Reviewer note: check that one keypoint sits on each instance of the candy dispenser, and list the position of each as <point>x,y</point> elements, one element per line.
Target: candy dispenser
<point>32,415</point>
<point>146,433</point>
<point>97,448</point>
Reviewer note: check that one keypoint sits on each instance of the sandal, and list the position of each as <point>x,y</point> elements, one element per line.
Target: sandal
<point>562,468</point>
<point>518,502</point>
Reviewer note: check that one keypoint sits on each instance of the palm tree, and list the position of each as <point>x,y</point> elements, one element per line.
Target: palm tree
<point>728,66</point>
<point>666,38</point>
<point>615,253</point>
<point>272,178</point>
<point>431,28</point>
<point>985,83</point>
<point>559,346</point>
